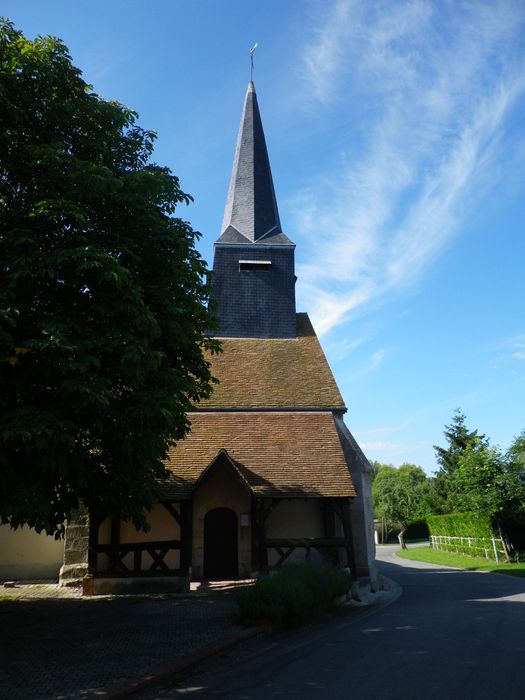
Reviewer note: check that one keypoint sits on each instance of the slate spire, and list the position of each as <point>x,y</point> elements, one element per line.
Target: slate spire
<point>251,207</point>
<point>253,281</point>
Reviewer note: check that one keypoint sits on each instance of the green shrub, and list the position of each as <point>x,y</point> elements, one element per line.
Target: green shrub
<point>460,525</point>
<point>292,594</point>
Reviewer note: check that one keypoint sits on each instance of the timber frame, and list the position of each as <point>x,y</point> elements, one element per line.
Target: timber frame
<point>330,546</point>
<point>116,551</point>
<point>336,512</point>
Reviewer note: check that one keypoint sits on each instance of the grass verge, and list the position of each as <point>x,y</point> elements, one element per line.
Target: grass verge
<point>461,561</point>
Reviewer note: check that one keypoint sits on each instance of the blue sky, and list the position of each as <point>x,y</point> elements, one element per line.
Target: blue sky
<point>396,135</point>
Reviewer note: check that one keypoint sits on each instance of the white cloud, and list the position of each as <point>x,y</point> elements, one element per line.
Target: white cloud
<point>428,88</point>
<point>377,359</point>
<point>377,445</point>
<point>518,355</point>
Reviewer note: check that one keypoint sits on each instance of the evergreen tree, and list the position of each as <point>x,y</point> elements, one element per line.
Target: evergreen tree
<point>460,439</point>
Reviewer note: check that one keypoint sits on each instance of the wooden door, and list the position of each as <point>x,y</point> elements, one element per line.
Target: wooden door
<point>221,544</point>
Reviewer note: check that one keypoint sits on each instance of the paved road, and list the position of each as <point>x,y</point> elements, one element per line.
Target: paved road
<point>451,635</point>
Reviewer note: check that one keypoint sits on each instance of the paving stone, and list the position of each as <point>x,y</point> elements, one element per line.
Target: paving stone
<point>58,645</point>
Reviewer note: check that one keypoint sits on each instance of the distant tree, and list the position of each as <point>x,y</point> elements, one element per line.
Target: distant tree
<point>516,452</point>
<point>103,317</point>
<point>460,439</point>
<point>400,496</point>
<point>376,467</point>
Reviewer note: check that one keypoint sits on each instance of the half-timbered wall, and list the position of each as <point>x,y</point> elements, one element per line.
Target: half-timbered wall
<point>295,518</point>
<point>162,527</point>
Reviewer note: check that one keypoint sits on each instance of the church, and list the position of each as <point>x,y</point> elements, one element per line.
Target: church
<point>269,472</point>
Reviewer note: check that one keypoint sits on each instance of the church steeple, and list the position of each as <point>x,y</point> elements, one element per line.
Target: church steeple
<point>251,208</point>
<point>253,283</point>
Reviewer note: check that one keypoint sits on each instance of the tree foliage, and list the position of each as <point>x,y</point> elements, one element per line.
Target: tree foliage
<point>103,317</point>
<point>400,494</point>
<point>460,439</point>
<point>491,483</point>
<point>479,478</point>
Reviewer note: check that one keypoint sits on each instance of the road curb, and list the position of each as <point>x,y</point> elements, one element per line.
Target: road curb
<point>167,671</point>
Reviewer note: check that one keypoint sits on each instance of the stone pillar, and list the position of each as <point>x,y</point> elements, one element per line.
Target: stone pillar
<point>76,549</point>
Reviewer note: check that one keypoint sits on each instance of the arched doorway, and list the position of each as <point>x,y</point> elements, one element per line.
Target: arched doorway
<point>220,544</point>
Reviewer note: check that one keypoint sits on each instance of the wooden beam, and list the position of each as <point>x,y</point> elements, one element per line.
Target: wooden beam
<point>335,506</point>
<point>307,542</point>
<point>133,546</point>
<point>171,510</point>
<point>283,555</point>
<point>347,528</point>
<point>329,531</point>
<point>260,526</point>
<point>272,505</point>
<point>186,526</point>
<point>157,551</point>
<point>137,560</point>
<point>115,531</point>
<point>158,558</point>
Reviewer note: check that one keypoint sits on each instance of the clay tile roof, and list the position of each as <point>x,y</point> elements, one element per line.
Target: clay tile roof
<point>273,373</point>
<point>292,454</point>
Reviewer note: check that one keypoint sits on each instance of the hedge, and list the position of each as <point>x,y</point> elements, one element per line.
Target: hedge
<point>460,525</point>
<point>292,594</point>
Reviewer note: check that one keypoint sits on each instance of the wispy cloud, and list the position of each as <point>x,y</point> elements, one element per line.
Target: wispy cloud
<point>519,351</point>
<point>428,88</point>
<point>371,364</point>
<point>377,359</point>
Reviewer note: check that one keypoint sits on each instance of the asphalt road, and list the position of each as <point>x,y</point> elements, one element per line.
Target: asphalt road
<point>451,634</point>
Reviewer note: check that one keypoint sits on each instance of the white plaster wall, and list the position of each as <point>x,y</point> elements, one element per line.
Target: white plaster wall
<point>296,518</point>
<point>26,554</point>
<point>222,490</point>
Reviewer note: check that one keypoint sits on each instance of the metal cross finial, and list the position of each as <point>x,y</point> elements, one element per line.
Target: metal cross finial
<point>252,51</point>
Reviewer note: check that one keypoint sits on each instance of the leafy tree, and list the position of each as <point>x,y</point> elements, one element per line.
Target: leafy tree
<point>376,467</point>
<point>103,317</point>
<point>460,439</point>
<point>489,482</point>
<point>400,495</point>
<point>516,453</point>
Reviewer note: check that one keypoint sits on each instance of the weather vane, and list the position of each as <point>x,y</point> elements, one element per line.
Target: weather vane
<point>252,51</point>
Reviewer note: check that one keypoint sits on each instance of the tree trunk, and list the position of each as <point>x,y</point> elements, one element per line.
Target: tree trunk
<point>401,538</point>
<point>505,546</point>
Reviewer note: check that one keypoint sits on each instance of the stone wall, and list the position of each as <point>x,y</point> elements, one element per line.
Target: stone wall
<point>362,512</point>
<point>76,549</point>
